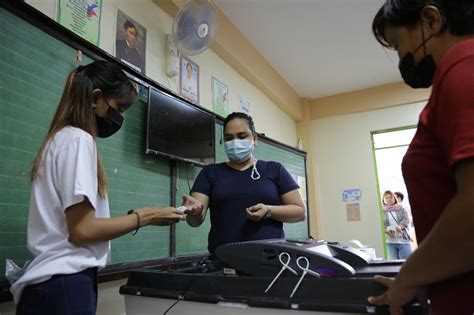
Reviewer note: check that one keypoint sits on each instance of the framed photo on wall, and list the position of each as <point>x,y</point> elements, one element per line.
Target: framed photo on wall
<point>189,80</point>
<point>130,41</point>
<point>81,17</point>
<point>220,97</point>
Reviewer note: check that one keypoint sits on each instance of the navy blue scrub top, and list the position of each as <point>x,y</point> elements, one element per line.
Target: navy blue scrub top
<point>231,191</point>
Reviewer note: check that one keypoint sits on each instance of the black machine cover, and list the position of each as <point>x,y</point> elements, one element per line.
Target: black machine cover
<point>261,258</point>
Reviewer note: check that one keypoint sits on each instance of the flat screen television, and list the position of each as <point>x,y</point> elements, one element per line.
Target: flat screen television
<point>178,130</point>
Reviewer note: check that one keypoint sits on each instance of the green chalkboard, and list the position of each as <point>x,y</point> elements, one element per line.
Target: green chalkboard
<point>33,69</point>
<point>296,166</point>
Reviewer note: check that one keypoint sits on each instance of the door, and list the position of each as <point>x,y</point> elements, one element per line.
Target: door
<point>389,148</point>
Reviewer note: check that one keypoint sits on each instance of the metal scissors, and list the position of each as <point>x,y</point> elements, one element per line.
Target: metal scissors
<point>305,270</point>
<point>285,265</point>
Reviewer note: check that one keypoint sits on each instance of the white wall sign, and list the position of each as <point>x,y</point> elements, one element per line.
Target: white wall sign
<point>351,195</point>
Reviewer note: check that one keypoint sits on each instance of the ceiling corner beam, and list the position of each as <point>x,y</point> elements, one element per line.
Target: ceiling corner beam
<point>384,96</point>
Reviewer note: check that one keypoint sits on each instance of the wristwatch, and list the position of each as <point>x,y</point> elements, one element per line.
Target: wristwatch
<point>268,215</point>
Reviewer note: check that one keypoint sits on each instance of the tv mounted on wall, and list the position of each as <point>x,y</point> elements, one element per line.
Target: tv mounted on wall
<point>178,130</point>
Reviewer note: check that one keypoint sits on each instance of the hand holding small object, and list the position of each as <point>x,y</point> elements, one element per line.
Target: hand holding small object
<point>182,209</point>
<point>390,231</point>
<point>191,205</point>
<point>257,212</point>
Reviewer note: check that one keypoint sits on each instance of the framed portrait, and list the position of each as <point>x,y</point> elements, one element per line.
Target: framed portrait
<point>130,41</point>
<point>189,80</point>
<point>220,97</point>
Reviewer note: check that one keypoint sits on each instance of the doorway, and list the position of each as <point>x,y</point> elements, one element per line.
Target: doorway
<point>389,147</point>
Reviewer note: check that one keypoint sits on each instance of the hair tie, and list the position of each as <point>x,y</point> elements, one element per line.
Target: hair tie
<point>80,68</point>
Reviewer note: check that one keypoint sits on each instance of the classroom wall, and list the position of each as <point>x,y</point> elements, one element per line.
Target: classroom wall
<point>344,159</point>
<point>269,118</point>
<point>28,103</point>
<point>341,144</point>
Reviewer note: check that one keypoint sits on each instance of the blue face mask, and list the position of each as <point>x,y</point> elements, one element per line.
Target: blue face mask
<point>239,151</point>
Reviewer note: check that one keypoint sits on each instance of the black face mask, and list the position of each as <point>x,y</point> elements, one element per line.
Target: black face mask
<point>420,75</point>
<point>110,124</point>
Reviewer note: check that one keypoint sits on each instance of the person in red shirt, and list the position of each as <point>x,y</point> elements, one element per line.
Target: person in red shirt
<point>435,42</point>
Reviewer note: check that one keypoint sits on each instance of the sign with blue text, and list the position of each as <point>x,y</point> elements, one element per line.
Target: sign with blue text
<point>351,195</point>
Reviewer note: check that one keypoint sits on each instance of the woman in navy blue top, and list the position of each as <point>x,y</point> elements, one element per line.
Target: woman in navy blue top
<point>248,199</point>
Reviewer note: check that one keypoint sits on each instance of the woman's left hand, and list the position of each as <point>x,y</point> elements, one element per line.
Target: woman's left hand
<point>257,212</point>
<point>396,296</point>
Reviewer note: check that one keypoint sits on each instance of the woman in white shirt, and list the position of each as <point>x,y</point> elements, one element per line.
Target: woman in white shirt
<point>69,225</point>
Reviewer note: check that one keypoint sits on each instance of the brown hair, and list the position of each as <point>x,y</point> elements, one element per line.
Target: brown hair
<point>388,192</point>
<point>75,107</point>
<point>457,16</point>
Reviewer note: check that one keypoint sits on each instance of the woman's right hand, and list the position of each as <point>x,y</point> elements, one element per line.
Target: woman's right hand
<point>193,206</point>
<point>159,216</point>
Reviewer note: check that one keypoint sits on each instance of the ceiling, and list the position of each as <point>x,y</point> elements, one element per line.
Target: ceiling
<point>320,47</point>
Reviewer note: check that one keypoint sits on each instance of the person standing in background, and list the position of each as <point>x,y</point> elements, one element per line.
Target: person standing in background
<point>396,221</point>
<point>399,196</point>
<point>411,230</point>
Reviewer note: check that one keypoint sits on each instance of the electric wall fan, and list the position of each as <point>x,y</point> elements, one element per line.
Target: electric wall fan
<point>195,26</point>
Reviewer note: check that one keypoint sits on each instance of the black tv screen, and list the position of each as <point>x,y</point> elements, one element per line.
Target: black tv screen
<point>179,130</point>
